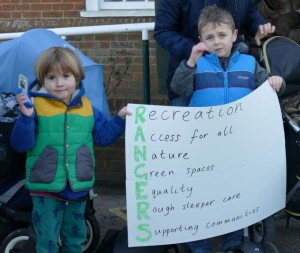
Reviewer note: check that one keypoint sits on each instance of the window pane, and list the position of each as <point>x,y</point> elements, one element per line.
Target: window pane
<point>126,4</point>
<point>118,8</point>
<point>129,0</point>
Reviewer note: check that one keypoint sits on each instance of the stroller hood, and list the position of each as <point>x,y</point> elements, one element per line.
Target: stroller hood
<point>18,56</point>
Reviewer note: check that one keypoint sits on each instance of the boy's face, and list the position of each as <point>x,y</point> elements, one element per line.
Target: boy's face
<point>60,85</point>
<point>218,38</point>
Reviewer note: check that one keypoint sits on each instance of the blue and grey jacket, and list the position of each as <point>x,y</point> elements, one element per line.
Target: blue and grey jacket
<point>217,81</point>
<point>215,86</point>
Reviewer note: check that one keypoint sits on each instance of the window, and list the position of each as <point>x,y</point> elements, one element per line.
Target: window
<point>118,8</point>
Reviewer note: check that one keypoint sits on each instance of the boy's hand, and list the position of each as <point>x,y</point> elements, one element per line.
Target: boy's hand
<point>123,112</point>
<point>263,31</point>
<point>275,82</point>
<point>22,100</point>
<point>196,53</point>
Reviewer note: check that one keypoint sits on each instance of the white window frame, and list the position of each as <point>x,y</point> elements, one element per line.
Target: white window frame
<point>99,8</point>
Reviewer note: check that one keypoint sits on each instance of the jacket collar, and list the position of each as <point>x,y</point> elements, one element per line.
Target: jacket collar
<point>35,90</point>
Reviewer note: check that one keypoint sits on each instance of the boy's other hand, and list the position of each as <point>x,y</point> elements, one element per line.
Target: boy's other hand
<point>275,82</point>
<point>123,112</point>
<point>263,31</point>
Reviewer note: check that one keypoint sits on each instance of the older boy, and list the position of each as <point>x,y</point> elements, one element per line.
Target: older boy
<point>176,29</point>
<point>217,74</point>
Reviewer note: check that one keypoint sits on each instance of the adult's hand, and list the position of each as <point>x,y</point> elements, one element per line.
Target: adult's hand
<point>263,31</point>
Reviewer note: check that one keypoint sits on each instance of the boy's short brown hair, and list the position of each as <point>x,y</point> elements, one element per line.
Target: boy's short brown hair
<point>215,15</point>
<point>61,59</point>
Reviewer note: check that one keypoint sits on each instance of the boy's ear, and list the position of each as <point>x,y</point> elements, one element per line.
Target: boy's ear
<point>235,34</point>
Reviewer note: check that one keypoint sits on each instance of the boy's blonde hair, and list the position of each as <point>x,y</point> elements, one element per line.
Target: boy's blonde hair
<point>59,59</point>
<point>215,15</point>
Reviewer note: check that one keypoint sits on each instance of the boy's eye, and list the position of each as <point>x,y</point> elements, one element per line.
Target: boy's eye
<point>50,77</point>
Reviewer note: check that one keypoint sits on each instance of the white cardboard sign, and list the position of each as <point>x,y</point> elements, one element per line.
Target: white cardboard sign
<point>195,173</point>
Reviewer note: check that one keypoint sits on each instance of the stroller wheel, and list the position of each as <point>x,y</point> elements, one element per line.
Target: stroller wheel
<point>93,235</point>
<point>17,241</point>
<point>263,231</point>
<point>269,247</point>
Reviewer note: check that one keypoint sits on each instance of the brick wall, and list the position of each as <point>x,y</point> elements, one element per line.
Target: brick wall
<point>22,15</point>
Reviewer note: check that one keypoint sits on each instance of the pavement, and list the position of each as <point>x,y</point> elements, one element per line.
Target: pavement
<point>110,205</point>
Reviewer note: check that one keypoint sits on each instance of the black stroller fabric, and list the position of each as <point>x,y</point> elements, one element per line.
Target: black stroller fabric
<point>11,162</point>
<point>293,169</point>
<point>281,56</point>
<point>14,194</point>
<point>291,114</point>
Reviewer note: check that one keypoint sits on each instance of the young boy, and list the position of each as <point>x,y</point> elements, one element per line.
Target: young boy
<point>217,74</point>
<point>58,135</point>
<point>202,75</point>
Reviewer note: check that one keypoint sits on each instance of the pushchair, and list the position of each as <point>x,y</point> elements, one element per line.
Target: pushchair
<point>281,56</point>
<point>289,68</point>
<point>18,57</point>
<point>15,202</point>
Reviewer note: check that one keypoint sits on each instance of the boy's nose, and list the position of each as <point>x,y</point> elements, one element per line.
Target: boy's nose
<point>59,82</point>
<point>217,40</point>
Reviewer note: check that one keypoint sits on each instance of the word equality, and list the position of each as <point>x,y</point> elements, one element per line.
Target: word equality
<point>173,190</point>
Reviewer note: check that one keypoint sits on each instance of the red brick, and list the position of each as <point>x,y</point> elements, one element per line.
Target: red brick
<point>74,1</point>
<point>31,1</point>
<point>5,14</point>
<point>41,7</point>
<point>16,15</point>
<point>52,14</point>
<point>62,6</point>
<point>79,6</point>
<point>106,37</point>
<point>104,45</point>
<point>89,44</point>
<point>23,7</point>
<point>69,14</point>
<point>31,14</point>
<point>8,7</point>
<point>51,1</point>
<point>122,36</point>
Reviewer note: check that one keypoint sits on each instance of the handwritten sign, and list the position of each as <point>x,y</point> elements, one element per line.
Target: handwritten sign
<point>195,173</point>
